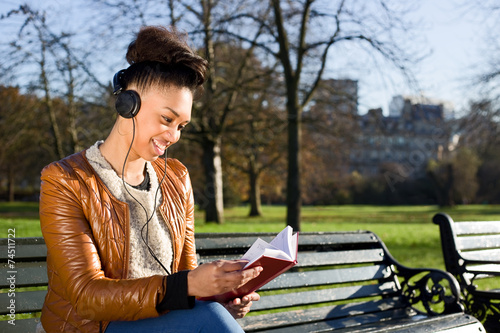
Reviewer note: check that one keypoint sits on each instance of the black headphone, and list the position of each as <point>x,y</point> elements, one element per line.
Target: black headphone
<point>128,102</point>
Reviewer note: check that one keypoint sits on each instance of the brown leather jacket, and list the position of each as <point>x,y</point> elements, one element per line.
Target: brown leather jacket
<point>86,230</point>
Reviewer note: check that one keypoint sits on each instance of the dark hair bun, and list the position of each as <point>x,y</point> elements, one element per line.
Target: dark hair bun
<point>157,43</point>
<point>167,46</point>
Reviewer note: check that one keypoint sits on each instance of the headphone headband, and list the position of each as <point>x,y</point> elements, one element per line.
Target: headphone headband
<point>128,102</point>
<point>118,82</point>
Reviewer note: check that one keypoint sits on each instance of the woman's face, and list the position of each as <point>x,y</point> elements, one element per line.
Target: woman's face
<point>163,115</point>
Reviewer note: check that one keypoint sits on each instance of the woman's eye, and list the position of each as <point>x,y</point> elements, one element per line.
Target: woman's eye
<point>168,120</point>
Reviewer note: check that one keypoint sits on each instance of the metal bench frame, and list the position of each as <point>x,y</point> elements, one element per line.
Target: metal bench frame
<point>471,252</point>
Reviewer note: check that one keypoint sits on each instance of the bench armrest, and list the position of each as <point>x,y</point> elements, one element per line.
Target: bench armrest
<point>430,291</point>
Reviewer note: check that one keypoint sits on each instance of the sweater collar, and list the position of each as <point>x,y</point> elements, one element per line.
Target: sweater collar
<point>109,175</point>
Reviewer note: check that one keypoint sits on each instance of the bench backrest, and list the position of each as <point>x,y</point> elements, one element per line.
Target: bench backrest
<point>345,277</point>
<point>470,248</point>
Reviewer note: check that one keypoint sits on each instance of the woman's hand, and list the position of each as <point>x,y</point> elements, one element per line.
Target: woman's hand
<point>219,277</point>
<point>239,307</point>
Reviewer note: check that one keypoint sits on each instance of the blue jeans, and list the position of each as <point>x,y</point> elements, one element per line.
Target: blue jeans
<point>205,317</point>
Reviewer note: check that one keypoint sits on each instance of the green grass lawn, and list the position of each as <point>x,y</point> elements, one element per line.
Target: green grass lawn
<point>407,231</point>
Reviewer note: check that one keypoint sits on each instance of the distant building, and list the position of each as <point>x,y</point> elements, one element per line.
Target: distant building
<point>401,143</point>
<point>416,130</point>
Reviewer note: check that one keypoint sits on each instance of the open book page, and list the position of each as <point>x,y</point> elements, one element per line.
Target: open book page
<point>283,246</point>
<point>262,248</point>
<point>286,242</point>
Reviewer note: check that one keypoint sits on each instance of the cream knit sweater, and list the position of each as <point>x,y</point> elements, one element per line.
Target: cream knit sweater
<point>141,264</point>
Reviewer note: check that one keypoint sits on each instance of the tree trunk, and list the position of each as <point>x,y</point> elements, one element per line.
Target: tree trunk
<point>72,111</point>
<point>449,201</point>
<point>293,191</point>
<point>292,79</point>
<point>49,105</point>
<point>73,132</point>
<point>255,204</point>
<point>444,188</point>
<point>213,194</point>
<point>11,184</point>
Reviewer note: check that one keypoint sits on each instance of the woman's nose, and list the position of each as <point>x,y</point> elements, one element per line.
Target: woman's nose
<point>172,135</point>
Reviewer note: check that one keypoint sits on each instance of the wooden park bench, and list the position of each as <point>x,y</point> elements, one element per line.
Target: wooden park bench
<point>344,281</point>
<point>471,253</point>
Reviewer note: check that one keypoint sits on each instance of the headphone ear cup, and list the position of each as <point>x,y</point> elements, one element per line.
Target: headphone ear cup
<point>128,103</point>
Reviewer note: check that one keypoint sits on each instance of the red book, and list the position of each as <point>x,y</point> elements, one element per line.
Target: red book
<point>275,258</point>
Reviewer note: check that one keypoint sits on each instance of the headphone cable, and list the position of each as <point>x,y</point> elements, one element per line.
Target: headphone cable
<point>148,218</point>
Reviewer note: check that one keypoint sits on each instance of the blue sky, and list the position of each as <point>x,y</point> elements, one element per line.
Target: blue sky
<point>456,40</point>
<point>455,37</point>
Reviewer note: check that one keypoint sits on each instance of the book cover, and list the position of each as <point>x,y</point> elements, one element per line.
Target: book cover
<point>275,258</point>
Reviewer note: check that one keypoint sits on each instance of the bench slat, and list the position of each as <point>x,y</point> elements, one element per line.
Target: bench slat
<point>314,259</point>
<point>456,323</point>
<point>337,238</point>
<point>225,241</point>
<point>330,276</point>
<point>25,249</point>
<point>293,317</point>
<point>340,258</point>
<point>477,228</point>
<point>492,256</point>
<point>27,274</point>
<point>478,242</point>
<point>203,259</point>
<point>490,268</point>
<point>391,322</point>
<point>323,295</point>
<point>22,325</point>
<point>344,325</point>
<point>27,301</point>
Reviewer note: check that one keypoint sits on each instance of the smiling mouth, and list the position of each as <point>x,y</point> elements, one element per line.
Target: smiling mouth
<point>160,146</point>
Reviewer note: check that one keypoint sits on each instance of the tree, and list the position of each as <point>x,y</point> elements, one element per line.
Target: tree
<point>301,37</point>
<point>441,175</point>
<point>455,177</point>
<point>57,67</point>
<point>253,142</point>
<point>35,25</point>
<point>330,124</point>
<point>480,132</point>
<point>21,137</point>
<point>206,22</point>
<point>298,35</point>
<point>53,72</point>
<point>229,75</point>
<point>465,167</point>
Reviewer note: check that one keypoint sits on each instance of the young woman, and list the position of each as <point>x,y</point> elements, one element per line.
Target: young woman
<point>118,219</point>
